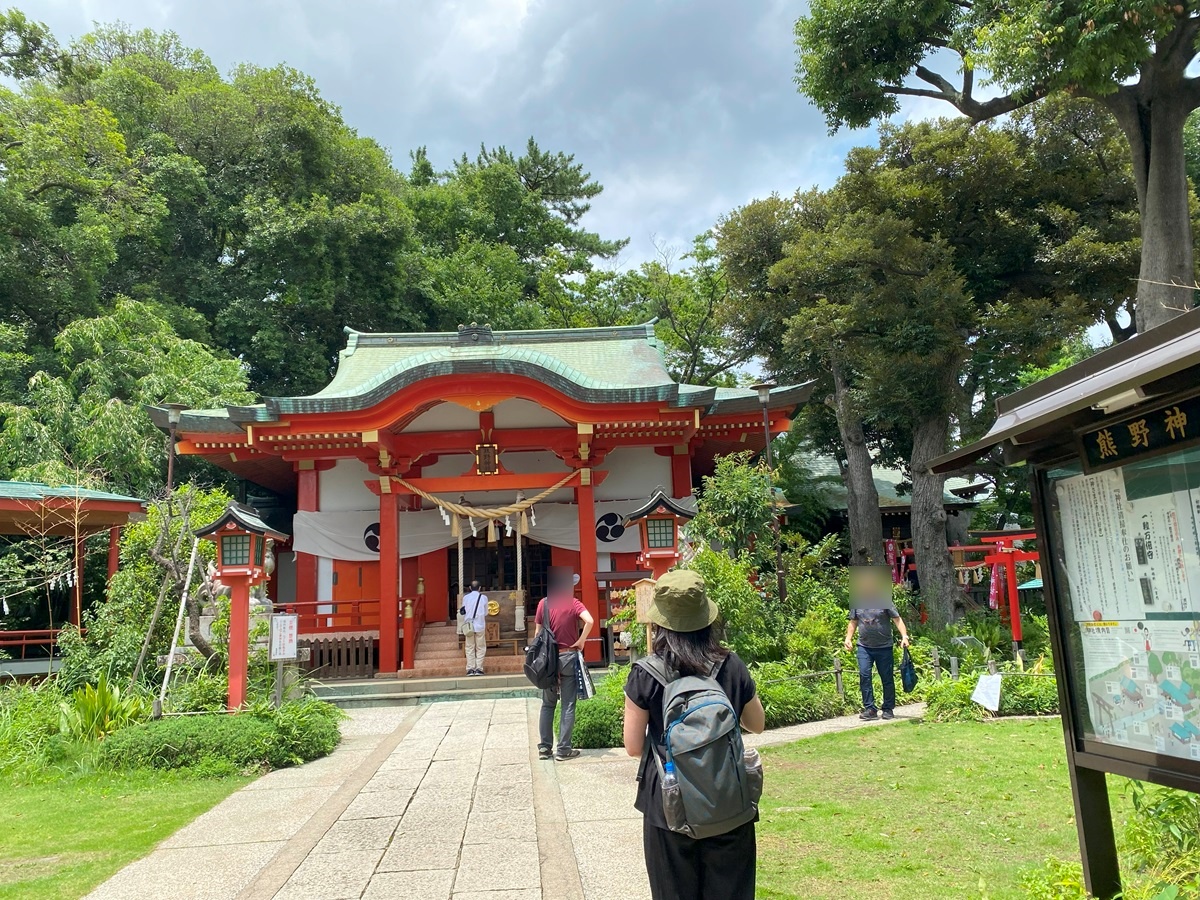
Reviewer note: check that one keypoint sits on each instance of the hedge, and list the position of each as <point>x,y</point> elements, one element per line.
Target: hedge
<point>301,730</point>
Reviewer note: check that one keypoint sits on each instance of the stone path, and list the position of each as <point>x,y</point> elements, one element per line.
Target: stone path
<point>439,802</point>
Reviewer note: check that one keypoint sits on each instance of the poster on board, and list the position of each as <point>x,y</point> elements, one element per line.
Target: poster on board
<point>1130,548</point>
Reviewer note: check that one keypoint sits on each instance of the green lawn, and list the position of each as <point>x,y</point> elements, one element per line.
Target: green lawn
<point>915,811</point>
<point>62,838</point>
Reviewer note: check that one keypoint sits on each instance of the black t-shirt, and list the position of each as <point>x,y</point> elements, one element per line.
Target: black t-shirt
<point>647,693</point>
<point>875,626</point>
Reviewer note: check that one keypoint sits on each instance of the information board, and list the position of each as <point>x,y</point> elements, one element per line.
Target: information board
<point>285,631</point>
<point>1129,547</point>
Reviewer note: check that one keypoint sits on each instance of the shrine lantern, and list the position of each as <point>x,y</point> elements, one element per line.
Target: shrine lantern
<point>660,522</point>
<point>242,539</point>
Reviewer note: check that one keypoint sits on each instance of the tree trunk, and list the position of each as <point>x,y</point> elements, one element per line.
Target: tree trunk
<point>194,633</point>
<point>935,570</point>
<point>1152,114</point>
<point>862,497</point>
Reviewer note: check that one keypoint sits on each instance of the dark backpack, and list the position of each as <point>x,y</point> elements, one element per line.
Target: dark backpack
<point>541,657</point>
<point>717,786</point>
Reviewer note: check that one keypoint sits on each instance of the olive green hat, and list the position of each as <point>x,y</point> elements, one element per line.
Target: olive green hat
<point>680,602</point>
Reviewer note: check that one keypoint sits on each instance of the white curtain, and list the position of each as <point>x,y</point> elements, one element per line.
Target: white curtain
<point>355,535</point>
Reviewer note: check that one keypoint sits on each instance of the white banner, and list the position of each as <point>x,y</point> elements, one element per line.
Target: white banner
<point>355,535</point>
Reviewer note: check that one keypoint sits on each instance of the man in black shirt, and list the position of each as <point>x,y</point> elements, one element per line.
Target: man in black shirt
<point>872,613</point>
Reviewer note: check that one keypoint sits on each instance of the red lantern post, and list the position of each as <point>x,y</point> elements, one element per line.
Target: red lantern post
<point>241,537</point>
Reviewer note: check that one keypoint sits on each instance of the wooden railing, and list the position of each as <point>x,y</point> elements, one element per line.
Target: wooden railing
<point>19,642</point>
<point>323,617</point>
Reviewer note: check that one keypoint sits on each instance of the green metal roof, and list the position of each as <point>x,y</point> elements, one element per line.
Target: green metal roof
<point>887,480</point>
<point>595,365</point>
<point>32,490</point>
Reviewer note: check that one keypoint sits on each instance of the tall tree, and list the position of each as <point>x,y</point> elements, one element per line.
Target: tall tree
<point>934,270</point>
<point>857,57</point>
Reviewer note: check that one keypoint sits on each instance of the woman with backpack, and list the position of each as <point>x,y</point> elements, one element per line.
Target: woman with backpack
<point>687,659</point>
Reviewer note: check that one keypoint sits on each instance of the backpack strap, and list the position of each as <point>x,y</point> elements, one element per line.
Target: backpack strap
<point>657,669</point>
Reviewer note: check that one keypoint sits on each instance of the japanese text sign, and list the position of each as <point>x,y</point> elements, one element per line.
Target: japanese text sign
<point>1152,432</point>
<point>284,634</point>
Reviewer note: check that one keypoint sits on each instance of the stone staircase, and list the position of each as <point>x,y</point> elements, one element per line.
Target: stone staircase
<point>368,692</point>
<point>439,654</point>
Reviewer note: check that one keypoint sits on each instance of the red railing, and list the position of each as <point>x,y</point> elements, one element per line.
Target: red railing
<point>13,641</point>
<point>324,617</point>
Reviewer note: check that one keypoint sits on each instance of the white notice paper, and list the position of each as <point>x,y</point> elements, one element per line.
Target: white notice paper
<point>987,692</point>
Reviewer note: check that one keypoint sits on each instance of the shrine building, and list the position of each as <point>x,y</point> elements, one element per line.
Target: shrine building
<point>431,460</point>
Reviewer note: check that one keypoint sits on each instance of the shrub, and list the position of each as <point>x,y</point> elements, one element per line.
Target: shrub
<point>30,740</point>
<point>750,628</point>
<point>199,691</point>
<point>788,700</point>
<point>93,712</point>
<point>950,701</point>
<point>600,720</point>
<point>259,738</point>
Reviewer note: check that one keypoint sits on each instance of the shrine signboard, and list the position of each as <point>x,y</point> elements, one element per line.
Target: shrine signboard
<point>1112,445</point>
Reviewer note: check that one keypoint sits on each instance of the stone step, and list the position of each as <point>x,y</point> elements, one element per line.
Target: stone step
<point>360,701</point>
<point>413,684</point>
<point>491,665</point>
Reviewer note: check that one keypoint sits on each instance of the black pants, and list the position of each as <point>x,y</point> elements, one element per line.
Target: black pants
<point>716,868</point>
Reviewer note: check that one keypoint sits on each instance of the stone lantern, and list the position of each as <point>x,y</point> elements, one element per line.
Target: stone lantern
<point>244,560</point>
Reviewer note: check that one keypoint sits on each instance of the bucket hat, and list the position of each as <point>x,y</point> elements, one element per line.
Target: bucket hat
<point>680,602</point>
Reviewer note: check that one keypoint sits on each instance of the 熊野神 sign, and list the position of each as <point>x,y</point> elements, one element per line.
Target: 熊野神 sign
<point>1173,426</point>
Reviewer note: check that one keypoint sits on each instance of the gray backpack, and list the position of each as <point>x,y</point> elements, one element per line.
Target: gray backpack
<point>717,782</point>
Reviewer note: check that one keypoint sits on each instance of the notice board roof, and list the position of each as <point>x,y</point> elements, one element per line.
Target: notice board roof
<point>1141,368</point>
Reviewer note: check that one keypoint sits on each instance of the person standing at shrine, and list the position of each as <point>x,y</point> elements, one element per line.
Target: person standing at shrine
<point>570,623</point>
<point>474,610</point>
<point>872,614</point>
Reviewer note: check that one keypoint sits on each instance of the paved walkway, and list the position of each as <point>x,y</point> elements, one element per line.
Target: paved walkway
<point>439,802</point>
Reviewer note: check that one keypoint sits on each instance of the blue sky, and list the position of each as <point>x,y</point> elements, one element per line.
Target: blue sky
<point>682,110</point>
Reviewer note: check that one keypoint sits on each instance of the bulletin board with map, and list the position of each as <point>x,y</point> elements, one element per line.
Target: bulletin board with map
<point>1125,541</point>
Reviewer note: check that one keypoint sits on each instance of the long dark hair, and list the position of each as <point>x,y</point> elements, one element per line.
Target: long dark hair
<point>689,652</point>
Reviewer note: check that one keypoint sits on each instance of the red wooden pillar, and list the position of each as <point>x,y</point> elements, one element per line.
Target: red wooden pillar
<point>239,638</point>
<point>681,472</point>
<point>389,585</point>
<point>307,500</point>
<point>114,550</point>
<point>586,502</point>
<point>1014,600</point>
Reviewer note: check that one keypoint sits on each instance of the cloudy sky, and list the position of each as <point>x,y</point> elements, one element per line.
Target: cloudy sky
<point>683,109</point>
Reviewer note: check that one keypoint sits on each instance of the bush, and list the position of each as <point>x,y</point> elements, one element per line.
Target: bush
<point>788,700</point>
<point>199,691</point>
<point>599,722</point>
<point>30,740</point>
<point>259,738</point>
<point>950,701</point>
<point>93,712</point>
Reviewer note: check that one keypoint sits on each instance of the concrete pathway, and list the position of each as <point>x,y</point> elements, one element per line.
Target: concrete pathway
<point>440,802</point>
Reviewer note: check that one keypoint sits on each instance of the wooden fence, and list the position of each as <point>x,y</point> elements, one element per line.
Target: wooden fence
<point>349,656</point>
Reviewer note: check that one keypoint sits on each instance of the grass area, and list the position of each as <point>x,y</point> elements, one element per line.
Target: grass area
<point>64,837</point>
<point>916,811</point>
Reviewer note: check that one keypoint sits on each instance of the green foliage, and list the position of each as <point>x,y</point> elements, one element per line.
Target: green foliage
<point>30,741</point>
<point>301,730</point>
<point>790,700</point>
<point>734,506</point>
<point>1160,852</point>
<point>750,627</point>
<point>197,690</point>
<point>817,637</point>
<point>600,720</point>
<point>116,628</point>
<point>1028,695</point>
<point>93,712</point>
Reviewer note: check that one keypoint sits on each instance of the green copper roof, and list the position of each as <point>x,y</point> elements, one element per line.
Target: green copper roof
<point>594,365</point>
<point>32,490</point>
<point>889,482</point>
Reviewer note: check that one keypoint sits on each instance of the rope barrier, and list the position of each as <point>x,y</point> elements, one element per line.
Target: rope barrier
<point>479,512</point>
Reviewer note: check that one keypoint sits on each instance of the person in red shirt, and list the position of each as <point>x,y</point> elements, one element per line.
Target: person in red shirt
<point>570,623</point>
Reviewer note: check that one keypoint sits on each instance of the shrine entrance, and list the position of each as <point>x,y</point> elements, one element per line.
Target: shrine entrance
<point>494,566</point>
